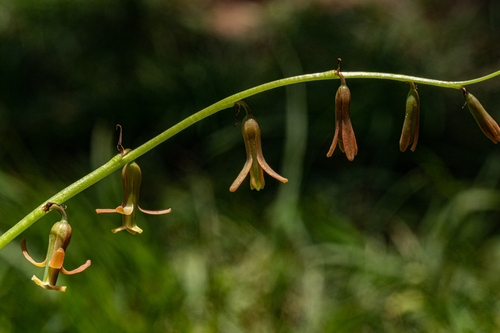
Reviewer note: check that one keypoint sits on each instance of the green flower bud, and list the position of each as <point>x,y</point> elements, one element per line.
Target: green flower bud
<point>409,134</point>
<point>487,124</point>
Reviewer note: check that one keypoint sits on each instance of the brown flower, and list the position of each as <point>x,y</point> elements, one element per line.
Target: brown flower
<point>344,134</point>
<point>255,164</point>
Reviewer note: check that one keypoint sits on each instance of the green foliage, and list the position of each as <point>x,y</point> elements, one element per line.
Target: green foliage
<point>390,242</point>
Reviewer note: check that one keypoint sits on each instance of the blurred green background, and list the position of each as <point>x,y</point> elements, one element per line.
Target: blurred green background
<point>391,242</point>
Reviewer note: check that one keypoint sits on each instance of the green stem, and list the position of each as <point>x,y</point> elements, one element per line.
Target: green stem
<point>405,78</point>
<point>118,161</point>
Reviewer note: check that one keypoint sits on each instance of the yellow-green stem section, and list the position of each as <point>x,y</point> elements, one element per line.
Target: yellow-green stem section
<point>118,161</point>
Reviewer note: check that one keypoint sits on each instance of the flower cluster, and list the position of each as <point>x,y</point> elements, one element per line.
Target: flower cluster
<point>60,233</point>
<point>254,166</point>
<point>344,134</point>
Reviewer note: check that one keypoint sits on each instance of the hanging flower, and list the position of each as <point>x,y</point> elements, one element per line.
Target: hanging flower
<point>344,134</point>
<point>59,238</point>
<point>131,179</point>
<point>487,124</point>
<point>255,164</point>
<point>409,134</point>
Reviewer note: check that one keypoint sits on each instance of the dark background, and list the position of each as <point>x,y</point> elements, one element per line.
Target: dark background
<point>390,242</point>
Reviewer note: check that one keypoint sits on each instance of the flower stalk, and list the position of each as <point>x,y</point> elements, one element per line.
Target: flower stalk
<point>119,161</point>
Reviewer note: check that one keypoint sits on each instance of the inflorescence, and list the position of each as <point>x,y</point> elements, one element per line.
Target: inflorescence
<point>255,165</point>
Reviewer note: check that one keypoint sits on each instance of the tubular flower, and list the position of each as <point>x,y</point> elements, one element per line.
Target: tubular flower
<point>344,134</point>
<point>487,124</point>
<point>255,164</point>
<point>411,124</point>
<point>131,179</point>
<point>59,238</point>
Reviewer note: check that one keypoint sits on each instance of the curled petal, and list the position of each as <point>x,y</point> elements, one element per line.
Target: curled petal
<point>348,143</point>
<point>155,212</point>
<point>244,172</point>
<point>27,256</point>
<point>267,168</point>
<point>335,139</point>
<point>120,209</point>
<point>77,270</point>
<point>132,230</point>
<point>105,210</point>
<point>349,140</point>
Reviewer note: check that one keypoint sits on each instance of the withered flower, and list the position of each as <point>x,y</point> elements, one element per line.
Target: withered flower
<point>487,124</point>
<point>59,238</point>
<point>409,134</point>
<point>255,164</point>
<point>131,179</point>
<point>344,134</point>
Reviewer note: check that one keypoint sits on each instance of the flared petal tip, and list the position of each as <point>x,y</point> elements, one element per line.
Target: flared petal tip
<point>155,212</point>
<point>105,210</point>
<point>280,178</point>
<point>257,188</point>
<point>127,210</point>
<point>48,286</point>
<point>133,230</point>
<point>333,145</point>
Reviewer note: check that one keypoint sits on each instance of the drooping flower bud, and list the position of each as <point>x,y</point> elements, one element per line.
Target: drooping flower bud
<point>255,164</point>
<point>131,179</point>
<point>59,238</point>
<point>344,134</point>
<point>409,134</point>
<point>487,124</point>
